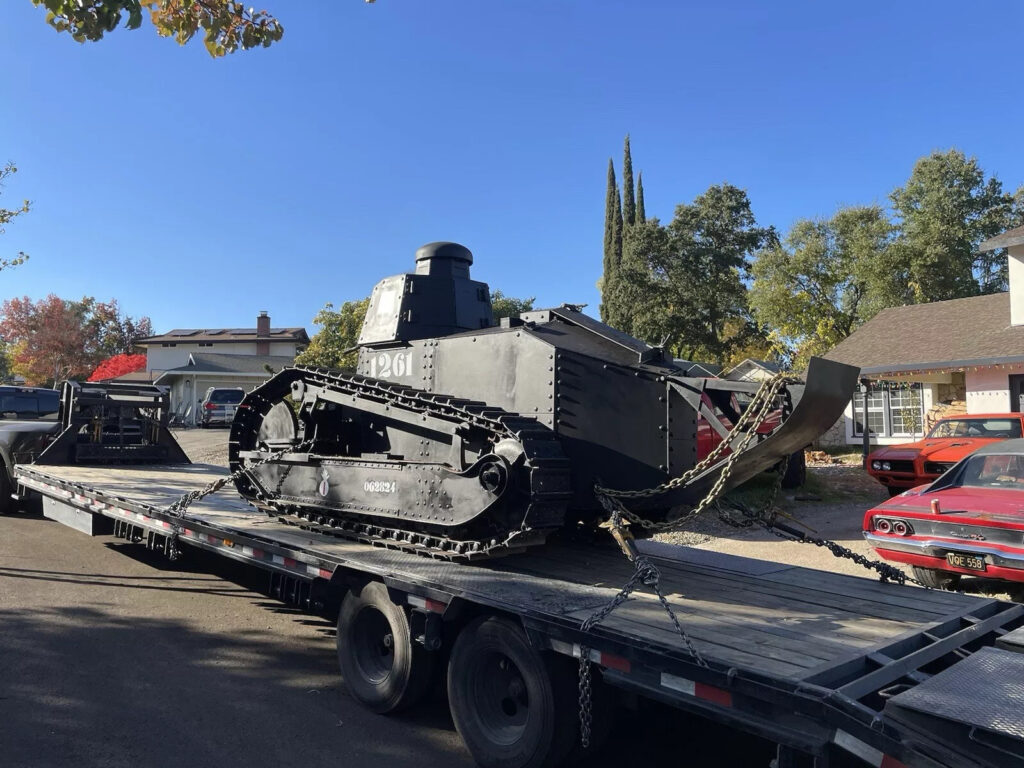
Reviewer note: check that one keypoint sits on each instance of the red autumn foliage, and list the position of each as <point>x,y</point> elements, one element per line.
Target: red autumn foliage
<point>118,365</point>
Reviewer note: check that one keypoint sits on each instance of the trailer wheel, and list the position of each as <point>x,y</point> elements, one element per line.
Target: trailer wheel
<point>6,502</point>
<point>383,668</point>
<point>936,579</point>
<point>512,707</point>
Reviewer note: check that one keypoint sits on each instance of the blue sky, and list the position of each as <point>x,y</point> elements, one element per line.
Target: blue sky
<point>199,191</point>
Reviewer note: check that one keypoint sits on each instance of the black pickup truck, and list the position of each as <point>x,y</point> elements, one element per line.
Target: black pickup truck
<point>28,422</point>
<point>83,423</point>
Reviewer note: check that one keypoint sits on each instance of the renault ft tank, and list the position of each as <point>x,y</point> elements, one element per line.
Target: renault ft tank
<point>460,437</point>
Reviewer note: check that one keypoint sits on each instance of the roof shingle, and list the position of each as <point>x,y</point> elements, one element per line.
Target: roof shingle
<point>922,336</point>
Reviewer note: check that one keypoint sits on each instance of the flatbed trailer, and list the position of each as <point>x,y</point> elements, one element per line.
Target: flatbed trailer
<point>834,669</point>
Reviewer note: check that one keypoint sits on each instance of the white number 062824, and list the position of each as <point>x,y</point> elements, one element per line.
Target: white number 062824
<point>380,486</point>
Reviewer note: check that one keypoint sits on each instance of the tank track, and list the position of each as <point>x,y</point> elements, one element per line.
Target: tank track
<point>546,471</point>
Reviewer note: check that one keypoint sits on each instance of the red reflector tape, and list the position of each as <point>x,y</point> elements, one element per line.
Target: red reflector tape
<point>611,661</point>
<point>712,694</point>
<point>698,690</point>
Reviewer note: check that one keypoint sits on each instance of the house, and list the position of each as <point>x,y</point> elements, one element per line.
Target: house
<point>189,361</point>
<point>927,360</point>
<point>753,370</point>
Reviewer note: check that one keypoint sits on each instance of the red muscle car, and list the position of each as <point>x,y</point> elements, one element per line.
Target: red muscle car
<point>903,466</point>
<point>969,522</point>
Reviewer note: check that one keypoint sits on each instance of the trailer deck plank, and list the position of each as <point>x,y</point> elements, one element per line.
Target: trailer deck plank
<point>767,617</point>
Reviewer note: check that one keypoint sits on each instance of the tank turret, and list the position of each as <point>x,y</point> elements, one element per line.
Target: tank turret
<point>438,299</point>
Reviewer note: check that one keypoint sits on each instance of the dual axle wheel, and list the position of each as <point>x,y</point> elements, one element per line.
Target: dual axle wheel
<point>513,706</point>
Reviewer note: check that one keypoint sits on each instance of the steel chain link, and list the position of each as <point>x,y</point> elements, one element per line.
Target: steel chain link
<point>186,500</point>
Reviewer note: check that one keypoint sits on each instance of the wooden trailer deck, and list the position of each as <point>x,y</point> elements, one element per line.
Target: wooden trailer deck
<point>787,622</point>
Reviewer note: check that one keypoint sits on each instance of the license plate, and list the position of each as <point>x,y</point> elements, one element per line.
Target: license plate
<point>970,562</point>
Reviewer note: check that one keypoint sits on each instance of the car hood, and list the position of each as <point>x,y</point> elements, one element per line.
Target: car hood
<point>1000,504</point>
<point>8,428</point>
<point>935,449</point>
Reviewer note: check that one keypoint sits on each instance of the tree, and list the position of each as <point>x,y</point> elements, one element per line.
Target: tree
<point>946,208</point>
<point>49,338</point>
<point>612,254</point>
<point>226,25</point>
<point>115,333</point>
<point>681,285</point>
<point>628,198</point>
<point>509,306</point>
<point>828,277</point>
<point>7,215</point>
<point>641,213</point>
<point>118,365</point>
<point>333,346</point>
<point>54,338</point>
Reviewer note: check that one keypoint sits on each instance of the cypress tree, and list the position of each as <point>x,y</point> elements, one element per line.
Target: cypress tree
<point>628,199</point>
<point>641,214</point>
<point>617,233</point>
<point>611,256</point>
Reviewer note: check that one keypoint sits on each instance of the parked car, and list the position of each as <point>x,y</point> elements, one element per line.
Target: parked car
<point>28,422</point>
<point>904,466</point>
<point>969,522</point>
<point>219,404</point>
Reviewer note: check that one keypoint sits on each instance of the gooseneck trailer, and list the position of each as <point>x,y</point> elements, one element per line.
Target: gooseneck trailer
<point>835,670</point>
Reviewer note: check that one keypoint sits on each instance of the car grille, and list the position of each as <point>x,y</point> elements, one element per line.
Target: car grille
<point>937,467</point>
<point>902,466</point>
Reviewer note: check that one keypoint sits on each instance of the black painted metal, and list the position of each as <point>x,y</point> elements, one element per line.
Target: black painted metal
<point>113,423</point>
<point>590,404</point>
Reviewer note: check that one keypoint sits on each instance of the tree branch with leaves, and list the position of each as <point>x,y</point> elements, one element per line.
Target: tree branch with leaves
<point>7,215</point>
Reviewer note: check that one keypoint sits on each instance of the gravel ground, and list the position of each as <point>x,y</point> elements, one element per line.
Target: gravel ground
<point>204,446</point>
<point>830,506</point>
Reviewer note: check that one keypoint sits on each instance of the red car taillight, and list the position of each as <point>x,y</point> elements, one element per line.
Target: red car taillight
<point>210,406</point>
<point>900,528</point>
<point>882,525</point>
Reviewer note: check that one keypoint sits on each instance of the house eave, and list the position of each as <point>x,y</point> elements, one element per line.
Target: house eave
<point>978,362</point>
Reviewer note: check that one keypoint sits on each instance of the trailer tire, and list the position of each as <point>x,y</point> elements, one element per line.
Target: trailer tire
<point>383,668</point>
<point>513,707</point>
<point>936,579</point>
<point>6,502</point>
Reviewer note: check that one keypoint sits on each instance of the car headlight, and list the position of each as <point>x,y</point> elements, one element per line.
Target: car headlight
<point>886,466</point>
<point>876,465</point>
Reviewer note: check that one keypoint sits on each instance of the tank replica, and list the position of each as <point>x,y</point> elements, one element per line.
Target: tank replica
<point>459,437</point>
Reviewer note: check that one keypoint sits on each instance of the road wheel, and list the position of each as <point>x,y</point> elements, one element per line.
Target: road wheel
<point>931,577</point>
<point>383,668</point>
<point>513,707</point>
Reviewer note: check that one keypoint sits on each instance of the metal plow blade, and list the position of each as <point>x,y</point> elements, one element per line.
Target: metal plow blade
<point>818,404</point>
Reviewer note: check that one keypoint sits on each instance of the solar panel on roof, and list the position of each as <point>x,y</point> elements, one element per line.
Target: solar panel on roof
<point>183,332</point>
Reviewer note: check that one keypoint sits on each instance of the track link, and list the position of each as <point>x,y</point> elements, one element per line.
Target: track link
<point>546,470</point>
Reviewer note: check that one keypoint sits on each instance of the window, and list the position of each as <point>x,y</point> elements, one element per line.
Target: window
<point>997,428</point>
<point>205,343</point>
<point>894,410</point>
<point>169,344</point>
